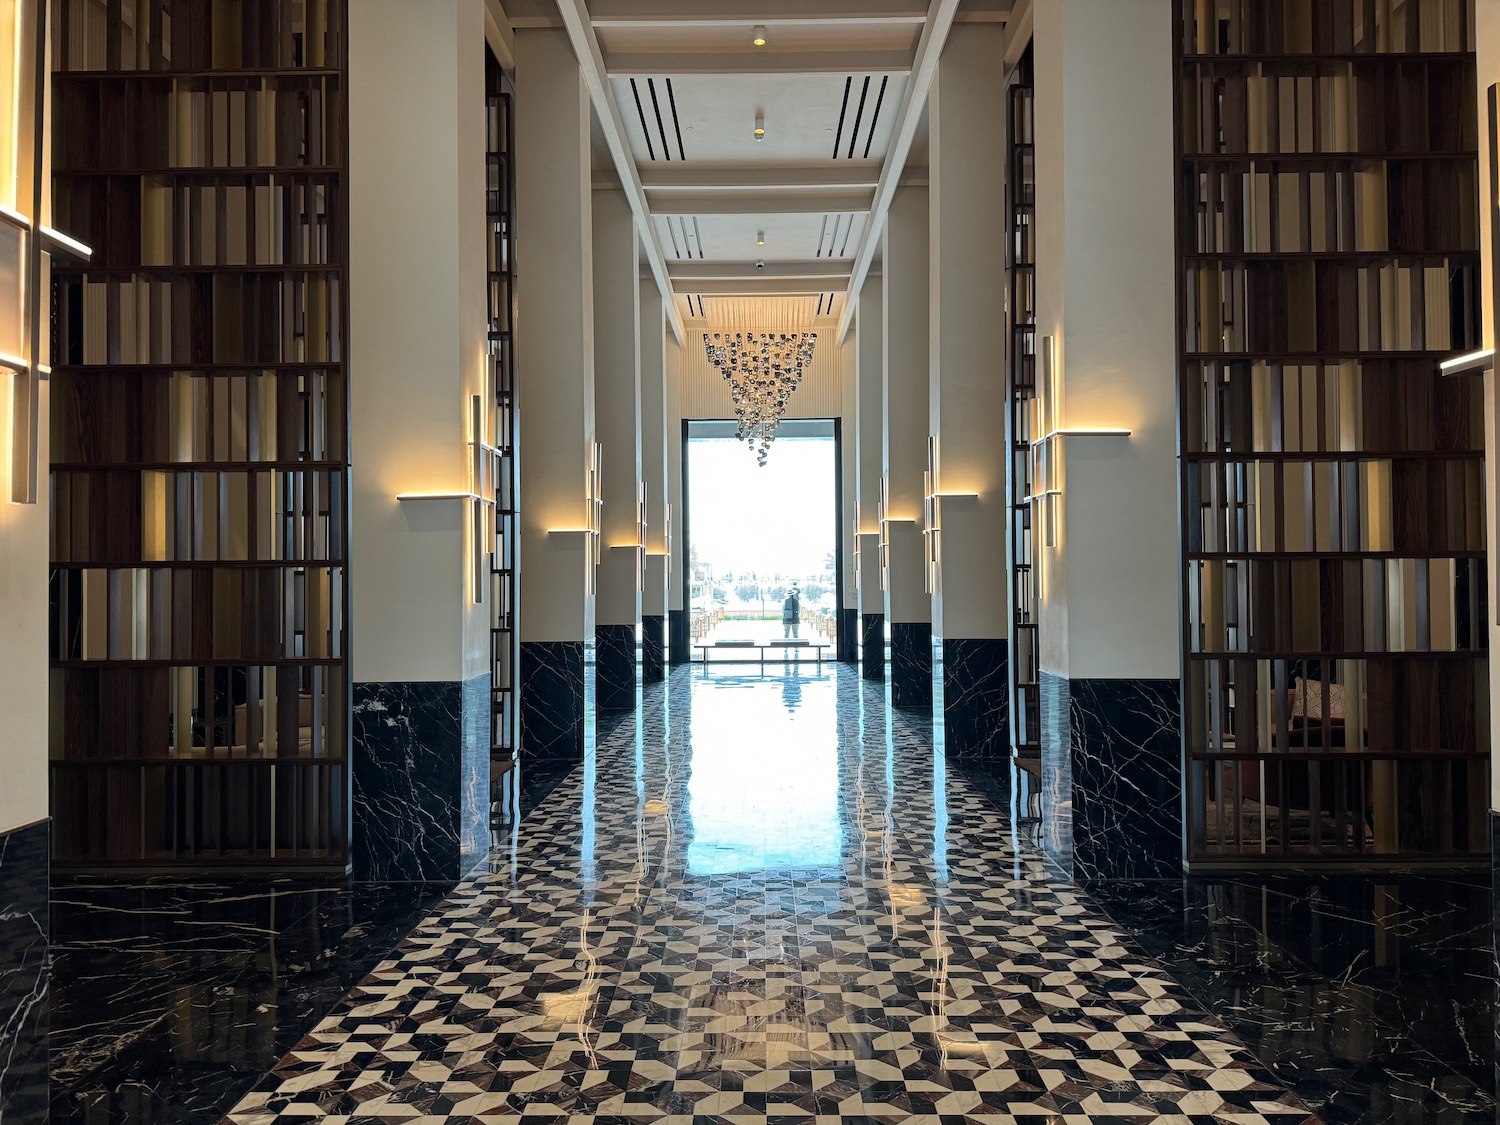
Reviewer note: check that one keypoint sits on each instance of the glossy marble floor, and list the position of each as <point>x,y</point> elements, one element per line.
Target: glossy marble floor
<point>766,898</point>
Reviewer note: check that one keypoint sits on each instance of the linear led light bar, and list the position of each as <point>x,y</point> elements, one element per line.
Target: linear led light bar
<point>1474,363</point>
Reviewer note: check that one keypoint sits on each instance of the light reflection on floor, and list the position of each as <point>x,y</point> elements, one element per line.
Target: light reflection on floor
<point>767,797</point>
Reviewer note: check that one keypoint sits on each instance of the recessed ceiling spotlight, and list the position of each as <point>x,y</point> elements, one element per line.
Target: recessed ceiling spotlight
<point>760,238</point>
<point>760,35</point>
<point>760,126</point>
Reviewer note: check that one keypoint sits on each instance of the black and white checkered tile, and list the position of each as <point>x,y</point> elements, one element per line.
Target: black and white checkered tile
<point>767,905</point>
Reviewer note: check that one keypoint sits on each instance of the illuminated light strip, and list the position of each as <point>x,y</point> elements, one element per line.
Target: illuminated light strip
<point>15,363</point>
<point>1474,363</point>
<point>1081,432</point>
<point>72,244</point>
<point>15,217</point>
<point>442,496</point>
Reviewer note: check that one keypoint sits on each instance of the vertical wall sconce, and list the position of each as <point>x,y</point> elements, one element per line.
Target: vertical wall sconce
<point>479,499</point>
<point>1047,469</point>
<point>882,511</point>
<point>932,514</point>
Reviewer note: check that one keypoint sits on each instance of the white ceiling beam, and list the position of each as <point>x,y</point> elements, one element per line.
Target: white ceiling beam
<point>913,99</point>
<point>846,175</point>
<point>760,202</point>
<point>591,62</point>
<point>499,35</point>
<point>672,64</point>
<point>762,287</point>
<point>658,13</point>
<point>822,273</point>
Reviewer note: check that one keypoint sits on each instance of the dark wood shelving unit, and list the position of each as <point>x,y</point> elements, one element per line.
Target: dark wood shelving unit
<point>199,436</point>
<point>1025,655</point>
<point>501,210</point>
<point>1335,601</point>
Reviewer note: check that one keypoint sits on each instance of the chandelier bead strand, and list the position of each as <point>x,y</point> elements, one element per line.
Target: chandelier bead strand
<point>763,369</point>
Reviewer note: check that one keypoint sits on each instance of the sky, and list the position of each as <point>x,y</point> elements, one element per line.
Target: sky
<point>775,519</point>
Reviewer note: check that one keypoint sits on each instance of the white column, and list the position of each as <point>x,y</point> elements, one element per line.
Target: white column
<point>654,475</point>
<point>869,362</point>
<point>971,612</point>
<point>617,397</point>
<point>677,611</point>
<point>848,610</point>
<point>908,605</point>
<point>555,395</point>
<point>1109,590</point>
<point>417,359</point>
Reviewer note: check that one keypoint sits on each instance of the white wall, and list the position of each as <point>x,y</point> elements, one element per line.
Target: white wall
<point>417,331</point>
<point>24,528</point>
<point>1111,604</point>
<point>1487,22</point>
<point>654,443</point>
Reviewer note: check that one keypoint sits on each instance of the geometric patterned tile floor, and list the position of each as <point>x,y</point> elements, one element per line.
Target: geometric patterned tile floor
<point>763,898</point>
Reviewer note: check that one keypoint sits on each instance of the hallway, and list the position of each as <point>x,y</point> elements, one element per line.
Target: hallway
<point>766,897</point>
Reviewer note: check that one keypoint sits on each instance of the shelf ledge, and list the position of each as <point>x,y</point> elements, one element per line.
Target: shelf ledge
<point>1473,363</point>
<point>1086,432</point>
<point>406,496</point>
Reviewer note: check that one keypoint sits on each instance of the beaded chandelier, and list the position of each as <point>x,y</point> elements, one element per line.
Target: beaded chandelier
<point>763,369</point>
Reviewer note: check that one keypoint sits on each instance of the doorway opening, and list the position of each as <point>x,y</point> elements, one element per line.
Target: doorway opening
<point>763,542</point>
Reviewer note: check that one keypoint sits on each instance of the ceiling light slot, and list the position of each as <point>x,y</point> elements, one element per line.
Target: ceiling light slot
<point>641,113</point>
<point>875,116</point>
<point>820,304</point>
<point>844,248</point>
<point>859,115</point>
<point>676,123</point>
<point>822,234</point>
<point>672,231</point>
<point>660,128</point>
<point>697,237</point>
<point>838,138</point>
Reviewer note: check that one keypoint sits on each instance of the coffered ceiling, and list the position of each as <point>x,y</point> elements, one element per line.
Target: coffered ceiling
<point>787,220</point>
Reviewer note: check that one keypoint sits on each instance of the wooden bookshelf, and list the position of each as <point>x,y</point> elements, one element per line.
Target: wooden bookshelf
<point>1335,665</point>
<point>199,436</point>
<point>1025,656</point>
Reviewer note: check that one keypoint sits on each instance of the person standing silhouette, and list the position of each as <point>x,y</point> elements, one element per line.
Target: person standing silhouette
<point>791,614</point>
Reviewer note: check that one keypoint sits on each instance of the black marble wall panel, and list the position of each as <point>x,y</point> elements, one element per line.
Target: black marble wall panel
<point>614,662</point>
<point>552,699</point>
<point>679,636</point>
<point>421,780</point>
<point>976,697</point>
<point>1112,777</point>
<point>653,649</point>
<point>24,857</point>
<point>872,647</point>
<point>911,665</point>
<point>847,651</point>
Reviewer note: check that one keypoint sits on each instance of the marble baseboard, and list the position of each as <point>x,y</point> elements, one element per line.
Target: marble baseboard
<point>679,637</point>
<point>552,691</point>
<point>911,665</point>
<point>615,666</point>
<point>848,636</point>
<point>421,780</point>
<point>976,697</point>
<point>1112,777</point>
<point>653,649</point>
<point>24,973</point>
<point>872,646</point>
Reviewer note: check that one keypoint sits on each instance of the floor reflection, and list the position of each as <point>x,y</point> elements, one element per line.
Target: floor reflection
<point>764,788</point>
<point>792,910</point>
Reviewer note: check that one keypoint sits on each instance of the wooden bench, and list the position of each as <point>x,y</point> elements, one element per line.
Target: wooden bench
<point>761,646</point>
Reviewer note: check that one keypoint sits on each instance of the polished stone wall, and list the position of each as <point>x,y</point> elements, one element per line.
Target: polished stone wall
<point>848,636</point>
<point>911,665</point>
<point>24,975</point>
<point>653,649</point>
<point>552,699</point>
<point>680,636</point>
<point>421,779</point>
<point>616,666</point>
<point>976,697</point>
<point>1112,777</point>
<point>872,646</point>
